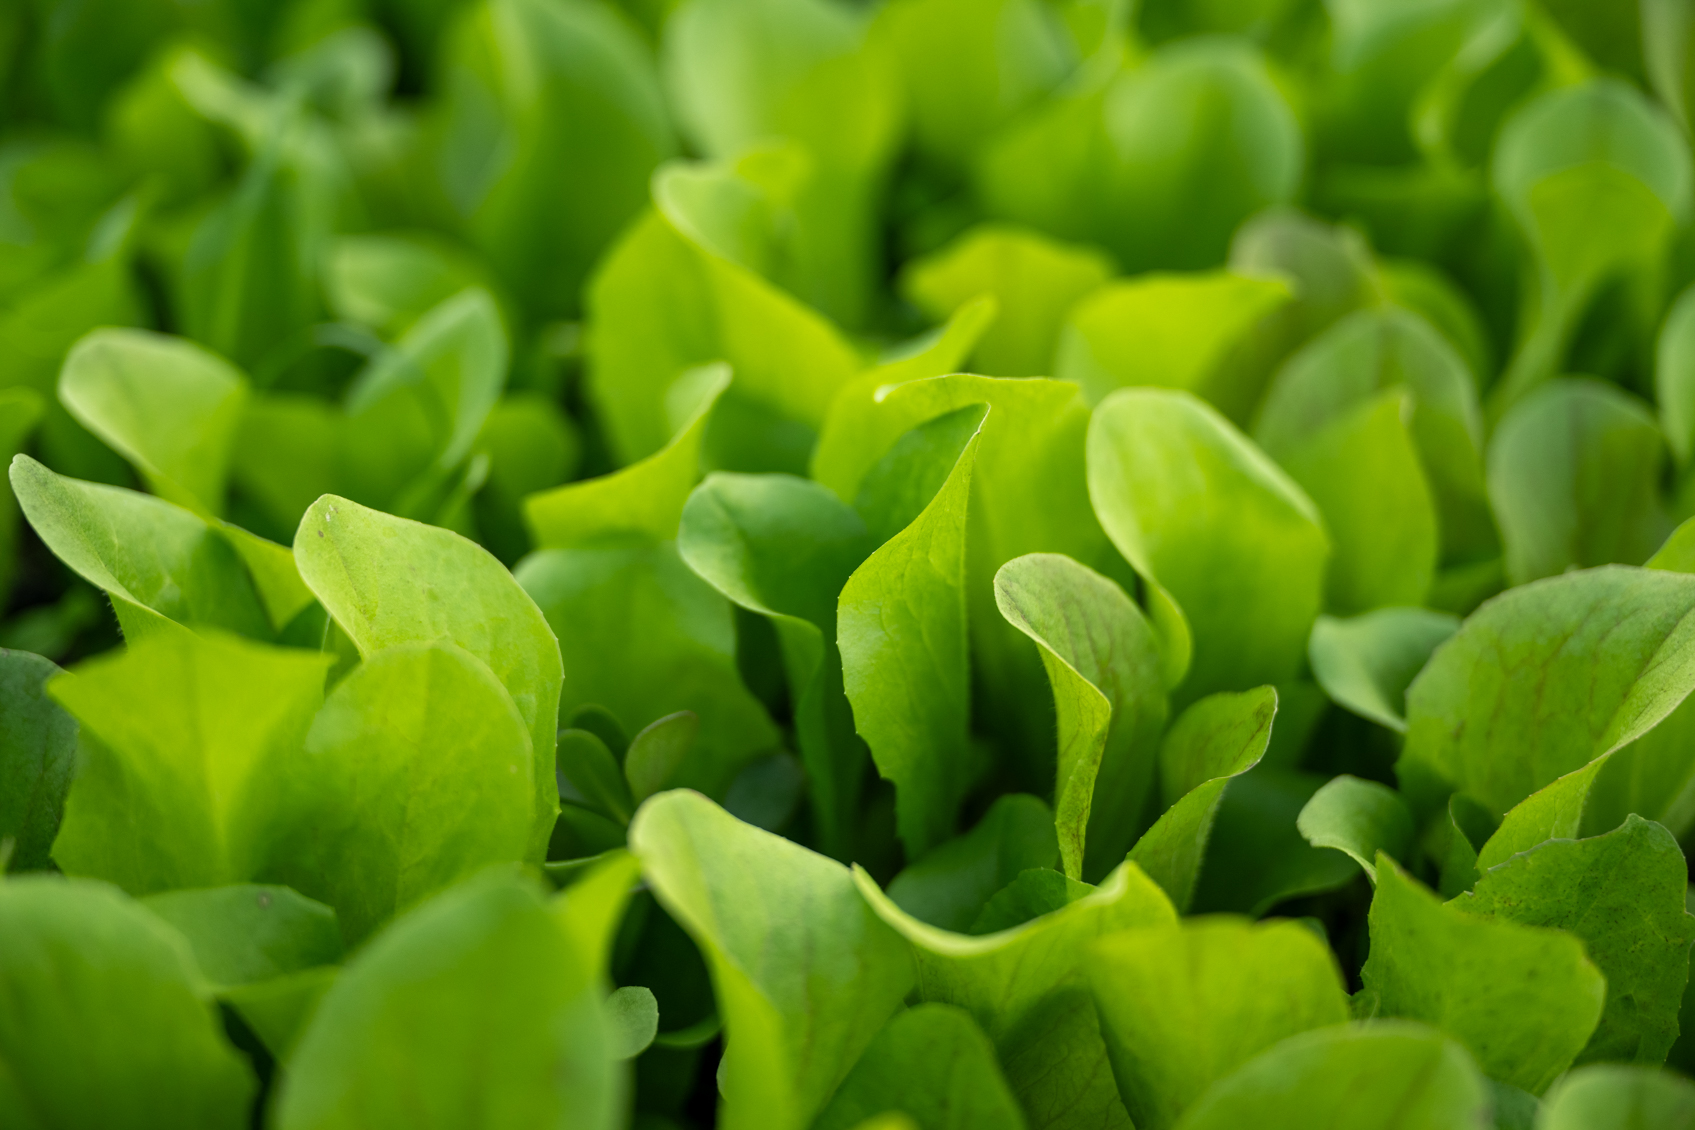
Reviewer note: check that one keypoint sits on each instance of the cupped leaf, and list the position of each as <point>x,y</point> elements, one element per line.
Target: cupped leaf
<point>1365,664</point>
<point>389,280</point>
<point>438,383</point>
<point>168,406</point>
<point>474,1006</point>
<point>1617,1097</point>
<point>644,498</point>
<point>805,974</point>
<point>632,1015</point>
<point>1104,665</point>
<point>948,887</point>
<point>38,758</point>
<point>1555,811</point>
<point>1362,472</point>
<point>784,547</point>
<point>1545,678</point>
<point>1574,473</point>
<point>552,123</point>
<point>1184,1006</point>
<point>643,636</point>
<point>744,71</point>
<point>1357,360</point>
<point>1522,999</point>
<point>683,288</point>
<point>1035,282</point>
<point>1165,331</point>
<point>1202,513</point>
<point>1211,743</point>
<point>933,1063</point>
<point>1387,1075</point>
<point>245,933</point>
<point>156,561</point>
<point>415,774</point>
<point>901,628</point>
<point>178,735</point>
<point>1622,894</point>
<point>390,581</point>
<point>1360,818</point>
<point>106,1022</point>
<point>1025,987</point>
<point>1597,178</point>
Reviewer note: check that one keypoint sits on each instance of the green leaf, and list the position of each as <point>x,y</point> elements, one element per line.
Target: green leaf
<point>1362,472</point>
<point>1653,776</point>
<point>804,973</point>
<point>595,773</point>
<point>644,498</point>
<point>1597,659</point>
<point>389,581</point>
<point>280,1009</point>
<point>1674,377</point>
<point>1555,811</point>
<point>38,758</point>
<point>1597,178</point>
<point>1104,665</point>
<point>1522,999</point>
<point>948,887</point>
<point>1622,894</point>
<point>1028,495</point>
<point>641,635</point>
<point>1210,744</point>
<point>1366,663</point>
<point>744,71</point>
<point>1202,111</point>
<point>179,733</point>
<point>1352,364</point>
<point>106,1023</point>
<point>1035,281</point>
<point>553,122</point>
<point>679,291</point>
<point>657,752</point>
<point>933,1063</point>
<point>1184,1006</point>
<point>1360,818</point>
<point>157,562</point>
<point>1202,513</point>
<point>248,281</point>
<point>532,445</point>
<point>1036,891</point>
<point>1165,331</point>
<point>1617,1097</point>
<point>415,774</point>
<point>245,933</point>
<point>436,386</point>
<point>784,547</point>
<point>474,1006</point>
<point>901,628</point>
<point>1256,856</point>
<point>1024,987</point>
<point>1574,473</point>
<point>166,405</point>
<point>1677,553</point>
<point>388,281</point>
<point>1386,1075</point>
<point>590,908</point>
<point>632,1015</point>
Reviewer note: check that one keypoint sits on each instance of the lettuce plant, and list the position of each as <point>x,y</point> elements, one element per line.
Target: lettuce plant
<point>815,565</point>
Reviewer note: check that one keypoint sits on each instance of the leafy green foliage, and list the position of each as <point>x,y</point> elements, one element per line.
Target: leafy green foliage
<point>994,554</point>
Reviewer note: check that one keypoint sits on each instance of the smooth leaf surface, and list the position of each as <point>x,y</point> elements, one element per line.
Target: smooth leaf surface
<point>98,989</point>
<point>949,887</point>
<point>1366,663</point>
<point>1103,663</point>
<point>247,933</point>
<point>1360,818</point>
<point>38,758</point>
<point>1182,1007</point>
<point>390,581</point>
<point>805,974</point>
<point>1616,1097</point>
